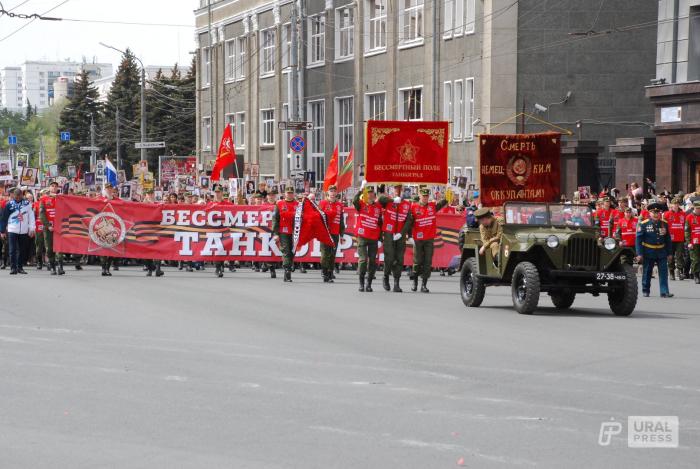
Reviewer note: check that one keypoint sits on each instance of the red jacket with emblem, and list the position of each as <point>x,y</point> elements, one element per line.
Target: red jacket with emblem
<point>627,231</point>
<point>39,224</point>
<point>693,222</point>
<point>286,211</point>
<point>368,224</point>
<point>395,216</point>
<point>334,215</point>
<point>424,226</point>
<point>676,225</point>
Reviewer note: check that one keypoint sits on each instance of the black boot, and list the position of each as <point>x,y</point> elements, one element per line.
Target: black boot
<point>414,285</point>
<point>21,270</point>
<point>39,264</point>
<point>329,273</point>
<point>52,266</point>
<point>220,270</point>
<point>302,269</point>
<point>78,266</point>
<point>60,268</point>
<point>672,274</point>
<point>424,286</point>
<point>159,272</point>
<point>385,283</point>
<point>149,272</point>
<point>362,283</point>
<point>104,271</point>
<point>697,277</point>
<point>13,271</point>
<point>287,275</point>
<point>324,275</point>
<point>369,284</point>
<point>273,272</point>
<point>397,288</point>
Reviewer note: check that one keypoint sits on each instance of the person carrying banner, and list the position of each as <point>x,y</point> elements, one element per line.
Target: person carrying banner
<point>108,196</point>
<point>368,231</point>
<point>152,265</point>
<point>47,214</point>
<point>39,238</point>
<point>396,211</point>
<point>692,238</point>
<point>422,222</point>
<point>653,246</point>
<point>336,225</point>
<point>675,217</point>
<point>219,200</point>
<point>283,229</point>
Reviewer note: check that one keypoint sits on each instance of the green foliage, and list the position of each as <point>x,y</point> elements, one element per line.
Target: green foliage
<point>75,117</point>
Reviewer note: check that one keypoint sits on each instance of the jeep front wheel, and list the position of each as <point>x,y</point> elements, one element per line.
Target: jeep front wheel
<point>623,299</point>
<point>525,288</point>
<point>471,287</point>
<point>563,299</point>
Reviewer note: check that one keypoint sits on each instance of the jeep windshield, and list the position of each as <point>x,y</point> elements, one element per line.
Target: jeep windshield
<point>533,214</point>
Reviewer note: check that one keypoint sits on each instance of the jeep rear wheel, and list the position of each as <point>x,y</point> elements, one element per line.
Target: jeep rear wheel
<point>471,287</point>
<point>525,288</point>
<point>623,300</point>
<point>563,299</point>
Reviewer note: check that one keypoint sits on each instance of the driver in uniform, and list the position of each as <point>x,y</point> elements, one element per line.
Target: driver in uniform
<point>490,230</point>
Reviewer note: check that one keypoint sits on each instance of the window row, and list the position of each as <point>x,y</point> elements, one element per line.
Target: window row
<point>458,108</point>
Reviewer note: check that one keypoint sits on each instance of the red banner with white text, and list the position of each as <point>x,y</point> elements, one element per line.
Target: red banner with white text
<point>519,167</point>
<point>202,232</point>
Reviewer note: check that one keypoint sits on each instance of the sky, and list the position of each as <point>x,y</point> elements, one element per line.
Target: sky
<point>60,40</point>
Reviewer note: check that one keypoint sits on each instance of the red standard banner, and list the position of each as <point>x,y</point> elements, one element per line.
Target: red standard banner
<point>202,232</point>
<point>519,167</point>
<point>406,152</point>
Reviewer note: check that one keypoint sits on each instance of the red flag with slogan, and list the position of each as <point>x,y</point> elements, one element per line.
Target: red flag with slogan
<point>310,223</point>
<point>226,156</point>
<point>346,173</point>
<point>406,152</point>
<point>332,171</point>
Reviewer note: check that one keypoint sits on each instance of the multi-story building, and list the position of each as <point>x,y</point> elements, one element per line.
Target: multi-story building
<point>475,63</point>
<point>37,78</point>
<point>675,93</point>
<point>11,88</point>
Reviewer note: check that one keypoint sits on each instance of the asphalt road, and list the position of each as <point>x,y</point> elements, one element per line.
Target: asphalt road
<point>190,371</point>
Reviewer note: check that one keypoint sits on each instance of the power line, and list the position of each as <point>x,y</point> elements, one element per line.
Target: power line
<point>33,19</point>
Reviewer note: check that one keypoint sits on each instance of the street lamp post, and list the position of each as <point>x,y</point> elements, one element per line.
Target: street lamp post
<point>143,98</point>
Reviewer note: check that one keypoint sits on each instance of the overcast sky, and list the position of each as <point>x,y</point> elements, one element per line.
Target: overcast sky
<point>59,40</point>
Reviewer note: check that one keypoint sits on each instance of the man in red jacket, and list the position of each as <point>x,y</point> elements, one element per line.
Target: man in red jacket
<point>47,214</point>
<point>605,218</point>
<point>368,232</point>
<point>675,217</point>
<point>283,229</point>
<point>396,212</point>
<point>692,237</point>
<point>39,238</point>
<point>626,230</point>
<point>423,225</point>
<point>336,225</point>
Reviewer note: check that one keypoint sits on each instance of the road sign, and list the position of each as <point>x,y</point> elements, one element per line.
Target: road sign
<point>297,161</point>
<point>89,148</point>
<point>297,143</point>
<point>293,125</point>
<point>150,145</point>
<point>65,136</point>
<point>12,140</point>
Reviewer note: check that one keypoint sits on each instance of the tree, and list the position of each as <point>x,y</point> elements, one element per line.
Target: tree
<point>75,118</point>
<point>125,94</point>
<point>28,112</point>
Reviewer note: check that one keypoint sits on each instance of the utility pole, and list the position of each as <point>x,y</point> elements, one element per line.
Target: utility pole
<point>93,155</point>
<point>143,109</point>
<point>42,157</point>
<point>294,62</point>
<point>119,152</point>
<point>211,87</point>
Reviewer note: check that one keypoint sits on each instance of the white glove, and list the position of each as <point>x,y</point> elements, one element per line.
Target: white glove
<point>311,196</point>
<point>397,236</point>
<point>364,183</point>
<point>397,200</point>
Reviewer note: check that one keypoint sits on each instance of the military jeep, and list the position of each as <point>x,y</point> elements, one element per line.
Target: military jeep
<point>552,248</point>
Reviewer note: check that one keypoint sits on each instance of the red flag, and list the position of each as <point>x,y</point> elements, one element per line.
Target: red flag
<point>310,223</point>
<point>346,173</point>
<point>332,171</point>
<point>226,156</point>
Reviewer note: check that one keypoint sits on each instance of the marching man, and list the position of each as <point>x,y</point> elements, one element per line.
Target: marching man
<point>47,215</point>
<point>692,237</point>
<point>283,229</point>
<point>368,232</point>
<point>626,229</point>
<point>396,212</point>
<point>675,218</point>
<point>333,209</point>
<point>653,246</point>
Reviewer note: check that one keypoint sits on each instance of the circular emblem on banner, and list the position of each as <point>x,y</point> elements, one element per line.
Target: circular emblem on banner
<point>519,169</point>
<point>107,229</point>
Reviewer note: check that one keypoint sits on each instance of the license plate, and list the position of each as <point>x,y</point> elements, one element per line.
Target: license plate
<point>608,276</point>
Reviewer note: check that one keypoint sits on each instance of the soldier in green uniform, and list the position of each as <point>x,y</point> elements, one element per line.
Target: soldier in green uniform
<point>396,211</point>
<point>333,209</point>
<point>422,222</point>
<point>368,231</point>
<point>47,212</point>
<point>283,229</point>
<point>692,238</point>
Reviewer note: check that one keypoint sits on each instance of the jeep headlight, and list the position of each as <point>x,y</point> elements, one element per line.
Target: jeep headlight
<point>552,241</point>
<point>609,244</point>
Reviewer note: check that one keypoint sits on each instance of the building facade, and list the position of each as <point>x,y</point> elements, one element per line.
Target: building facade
<point>11,89</point>
<point>37,79</point>
<point>474,63</point>
<point>675,94</point>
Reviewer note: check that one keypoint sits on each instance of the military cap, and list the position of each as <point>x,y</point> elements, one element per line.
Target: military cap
<point>288,189</point>
<point>53,183</point>
<point>482,212</point>
<point>655,207</point>
<point>605,199</point>
<point>150,191</point>
<point>676,200</point>
<point>108,185</point>
<point>424,191</point>
<point>332,187</point>
<point>628,209</point>
<point>274,191</point>
<point>257,195</point>
<point>218,188</point>
<point>369,188</point>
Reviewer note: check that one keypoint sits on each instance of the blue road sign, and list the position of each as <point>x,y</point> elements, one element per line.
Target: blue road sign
<point>297,143</point>
<point>65,136</point>
<point>12,140</point>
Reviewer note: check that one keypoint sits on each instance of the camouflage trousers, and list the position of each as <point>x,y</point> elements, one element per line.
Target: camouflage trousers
<point>695,259</point>
<point>423,258</point>
<point>48,244</point>
<point>287,248</point>
<point>367,252</point>
<point>678,253</point>
<point>39,246</point>
<point>393,254</point>
<point>328,254</point>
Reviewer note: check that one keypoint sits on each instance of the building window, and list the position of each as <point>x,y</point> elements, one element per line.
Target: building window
<point>239,135</point>
<point>469,104</point>
<point>447,105</point>
<point>459,17</point>
<point>411,104</point>
<point>458,105</point>
<point>317,39</point>
<point>235,58</point>
<point>286,46</point>
<point>344,32</point>
<point>267,127</point>
<point>206,133</point>
<point>267,57</point>
<point>345,121</point>
<point>317,115</point>
<point>205,65</point>
<point>376,106</point>
<point>410,21</point>
<point>375,26</point>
